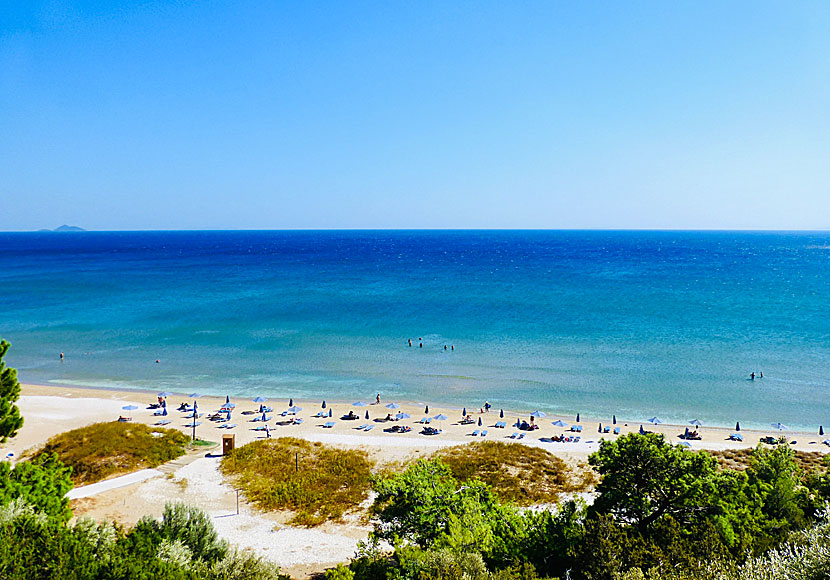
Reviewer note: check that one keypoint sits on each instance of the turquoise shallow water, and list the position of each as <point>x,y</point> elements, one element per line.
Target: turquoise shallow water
<point>632,323</point>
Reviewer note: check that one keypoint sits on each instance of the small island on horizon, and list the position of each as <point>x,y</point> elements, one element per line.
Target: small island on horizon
<point>64,228</point>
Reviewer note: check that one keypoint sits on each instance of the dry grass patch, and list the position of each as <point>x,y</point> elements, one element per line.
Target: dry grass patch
<point>327,483</point>
<point>739,459</point>
<point>518,473</point>
<point>102,450</point>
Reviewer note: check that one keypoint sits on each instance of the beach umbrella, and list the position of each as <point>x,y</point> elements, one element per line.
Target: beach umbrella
<point>129,407</point>
<point>642,431</point>
<point>393,406</point>
<point>367,414</point>
<point>577,417</point>
<point>426,410</point>
<point>614,419</point>
<point>695,422</point>
<point>737,426</point>
<point>685,444</point>
<point>560,423</point>
<point>501,414</point>
<point>440,417</point>
<point>294,410</point>
<point>324,404</point>
<point>600,428</point>
<point>259,399</point>
<point>538,414</point>
<point>164,412</point>
<point>225,406</point>
<point>359,404</point>
<point>400,416</point>
<point>821,429</point>
<point>227,398</point>
<point>686,432</point>
<point>194,395</point>
<point>291,402</point>
<point>331,412</point>
<point>195,406</point>
<point>464,412</point>
<point>165,394</point>
<point>479,421</point>
<point>780,426</point>
<point>654,421</point>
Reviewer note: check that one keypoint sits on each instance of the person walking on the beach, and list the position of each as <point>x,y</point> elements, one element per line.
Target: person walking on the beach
<point>377,399</point>
<point>267,432</point>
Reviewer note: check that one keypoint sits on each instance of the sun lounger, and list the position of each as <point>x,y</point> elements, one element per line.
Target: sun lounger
<point>296,421</point>
<point>521,436</point>
<point>368,427</point>
<point>259,428</point>
<point>231,426</point>
<point>736,437</point>
<point>514,436</point>
<point>194,424</point>
<point>616,430</point>
<point>484,433</point>
<point>362,427</point>
<point>501,424</point>
<point>426,420</point>
<point>606,429</point>
<point>321,414</point>
<point>164,422</point>
<point>328,425</point>
<point>475,433</point>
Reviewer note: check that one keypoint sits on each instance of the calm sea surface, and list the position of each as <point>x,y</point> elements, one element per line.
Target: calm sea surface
<point>633,323</point>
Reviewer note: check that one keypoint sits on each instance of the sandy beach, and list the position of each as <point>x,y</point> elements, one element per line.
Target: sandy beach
<point>49,410</point>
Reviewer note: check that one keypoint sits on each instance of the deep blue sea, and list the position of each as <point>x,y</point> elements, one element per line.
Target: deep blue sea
<point>632,323</point>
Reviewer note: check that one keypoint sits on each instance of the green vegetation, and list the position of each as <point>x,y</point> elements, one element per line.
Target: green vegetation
<point>10,419</point>
<point>101,450</point>
<point>315,481</point>
<point>41,483</point>
<point>517,473</point>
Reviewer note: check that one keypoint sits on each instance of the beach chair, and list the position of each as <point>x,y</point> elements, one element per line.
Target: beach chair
<point>521,436</point>
<point>475,433</point>
<point>328,425</point>
<point>164,422</point>
<point>362,427</point>
<point>484,433</point>
<point>513,436</point>
<point>296,421</point>
<point>259,428</point>
<point>321,414</point>
<point>368,427</point>
<point>426,420</point>
<point>616,430</point>
<point>231,426</point>
<point>606,429</point>
<point>501,424</point>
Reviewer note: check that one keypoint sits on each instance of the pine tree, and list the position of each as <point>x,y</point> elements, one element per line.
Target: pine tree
<point>10,419</point>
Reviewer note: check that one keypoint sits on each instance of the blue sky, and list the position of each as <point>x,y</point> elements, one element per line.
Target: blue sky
<point>270,115</point>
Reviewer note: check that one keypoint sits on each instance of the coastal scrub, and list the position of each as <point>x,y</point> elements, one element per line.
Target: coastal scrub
<point>315,481</point>
<point>101,450</point>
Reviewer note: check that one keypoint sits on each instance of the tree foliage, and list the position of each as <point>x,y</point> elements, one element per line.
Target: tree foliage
<point>10,419</point>
<point>42,482</point>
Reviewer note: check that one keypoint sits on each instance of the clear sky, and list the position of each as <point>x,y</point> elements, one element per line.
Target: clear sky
<point>271,115</point>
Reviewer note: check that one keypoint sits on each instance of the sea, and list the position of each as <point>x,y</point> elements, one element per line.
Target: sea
<point>637,324</point>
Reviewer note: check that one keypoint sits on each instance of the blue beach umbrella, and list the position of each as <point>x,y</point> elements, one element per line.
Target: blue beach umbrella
<point>780,426</point>
<point>330,413</point>
<point>393,406</point>
<point>737,426</point>
<point>426,410</point>
<point>479,421</point>
<point>359,404</point>
<point>324,405</point>
<point>464,412</point>
<point>291,402</point>
<point>194,395</point>
<point>295,410</point>
<point>400,416</point>
<point>821,430</point>
<point>577,417</point>
<point>695,422</point>
<point>165,394</point>
<point>225,406</point>
<point>227,398</point>
<point>195,406</point>
<point>685,444</point>
<point>260,399</point>
<point>501,414</point>
<point>367,415</point>
<point>642,431</point>
<point>129,407</point>
<point>560,423</point>
<point>440,417</point>
<point>538,414</point>
<point>614,419</point>
<point>654,421</point>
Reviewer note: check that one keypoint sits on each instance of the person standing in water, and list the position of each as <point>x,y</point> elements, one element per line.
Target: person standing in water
<point>752,376</point>
<point>61,356</point>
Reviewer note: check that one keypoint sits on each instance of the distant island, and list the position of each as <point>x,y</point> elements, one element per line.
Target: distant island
<point>64,228</point>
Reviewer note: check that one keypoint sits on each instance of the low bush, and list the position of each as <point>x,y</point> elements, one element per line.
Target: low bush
<point>102,450</point>
<point>315,481</point>
<point>517,473</point>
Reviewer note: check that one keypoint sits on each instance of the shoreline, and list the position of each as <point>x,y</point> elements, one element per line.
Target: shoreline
<point>96,404</point>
